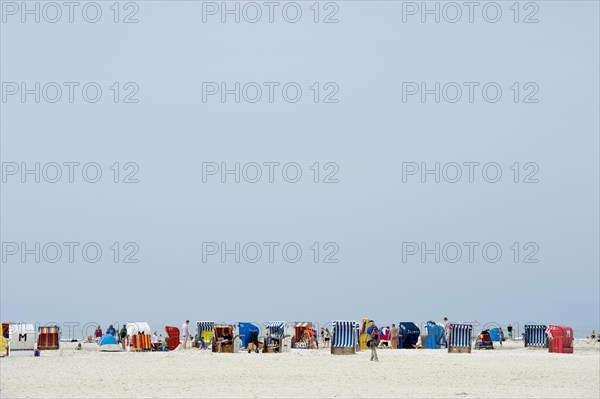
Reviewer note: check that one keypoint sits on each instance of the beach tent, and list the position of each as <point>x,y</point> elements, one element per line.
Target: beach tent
<point>459,338</point>
<point>205,329</point>
<point>344,340</point>
<point>275,340</point>
<point>248,332</point>
<point>174,335</point>
<point>434,335</point>
<point>108,343</point>
<point>140,335</point>
<point>220,343</point>
<point>22,337</point>
<point>303,333</point>
<point>535,335</point>
<point>484,340</point>
<point>48,337</point>
<point>408,335</point>
<point>495,334</point>
<point>560,339</point>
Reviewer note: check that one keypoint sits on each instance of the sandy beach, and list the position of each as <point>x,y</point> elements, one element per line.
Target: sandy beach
<point>508,372</point>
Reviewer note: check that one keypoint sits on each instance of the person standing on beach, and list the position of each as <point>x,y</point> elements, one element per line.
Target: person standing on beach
<point>111,331</point>
<point>123,335</point>
<point>373,340</point>
<point>98,333</point>
<point>509,329</point>
<point>394,336</point>
<point>185,333</point>
<point>500,335</point>
<point>446,329</point>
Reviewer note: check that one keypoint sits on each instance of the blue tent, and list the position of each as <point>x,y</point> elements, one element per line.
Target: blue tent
<point>495,334</point>
<point>408,335</point>
<point>436,335</point>
<point>108,343</point>
<point>245,330</point>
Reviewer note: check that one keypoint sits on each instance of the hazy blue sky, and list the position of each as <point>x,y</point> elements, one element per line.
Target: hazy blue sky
<point>367,61</point>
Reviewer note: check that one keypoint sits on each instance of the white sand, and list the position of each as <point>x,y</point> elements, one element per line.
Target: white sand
<point>508,372</point>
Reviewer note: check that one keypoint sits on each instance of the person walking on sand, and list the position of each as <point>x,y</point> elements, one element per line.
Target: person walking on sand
<point>373,340</point>
<point>123,335</point>
<point>509,328</point>
<point>185,333</point>
<point>500,335</point>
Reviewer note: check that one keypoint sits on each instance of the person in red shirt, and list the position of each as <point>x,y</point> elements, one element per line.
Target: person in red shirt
<point>98,333</point>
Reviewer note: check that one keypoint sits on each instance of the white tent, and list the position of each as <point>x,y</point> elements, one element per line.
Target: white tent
<point>138,327</point>
<point>22,337</point>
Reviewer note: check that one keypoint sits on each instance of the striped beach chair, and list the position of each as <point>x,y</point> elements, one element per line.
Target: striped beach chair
<point>205,329</point>
<point>48,337</point>
<point>344,341</point>
<point>139,333</point>
<point>141,342</point>
<point>535,336</point>
<point>459,338</point>
<point>274,342</point>
<point>357,330</point>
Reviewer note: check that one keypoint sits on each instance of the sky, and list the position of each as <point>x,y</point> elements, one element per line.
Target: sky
<point>368,164</point>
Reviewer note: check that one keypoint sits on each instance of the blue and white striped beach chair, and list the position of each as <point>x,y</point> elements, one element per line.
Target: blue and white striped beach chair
<point>344,340</point>
<point>275,339</point>
<point>535,336</point>
<point>459,338</point>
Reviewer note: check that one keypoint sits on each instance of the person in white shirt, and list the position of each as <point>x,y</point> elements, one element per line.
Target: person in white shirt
<point>446,330</point>
<point>185,333</point>
<point>155,338</point>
